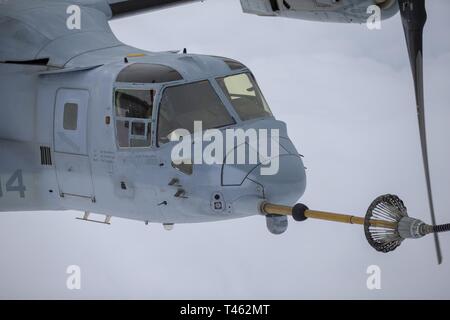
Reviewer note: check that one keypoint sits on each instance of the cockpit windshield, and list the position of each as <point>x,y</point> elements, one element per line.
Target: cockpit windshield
<point>183,104</point>
<point>245,96</point>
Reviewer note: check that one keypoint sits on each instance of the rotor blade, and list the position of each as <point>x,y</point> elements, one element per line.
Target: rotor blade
<point>414,16</point>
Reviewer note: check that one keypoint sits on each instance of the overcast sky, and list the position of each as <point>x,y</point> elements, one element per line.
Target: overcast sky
<point>346,95</point>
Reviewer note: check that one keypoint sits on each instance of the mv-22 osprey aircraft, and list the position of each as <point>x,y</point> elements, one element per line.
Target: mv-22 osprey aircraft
<point>87,122</point>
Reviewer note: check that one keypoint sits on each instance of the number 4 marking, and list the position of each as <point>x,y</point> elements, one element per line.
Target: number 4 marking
<point>15,183</point>
<point>19,187</point>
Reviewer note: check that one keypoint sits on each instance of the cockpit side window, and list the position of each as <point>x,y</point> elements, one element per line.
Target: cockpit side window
<point>182,105</point>
<point>133,117</point>
<point>245,96</point>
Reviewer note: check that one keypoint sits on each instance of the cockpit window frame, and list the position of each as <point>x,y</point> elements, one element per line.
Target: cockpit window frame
<point>229,103</point>
<point>152,122</point>
<point>217,91</point>
<point>160,89</point>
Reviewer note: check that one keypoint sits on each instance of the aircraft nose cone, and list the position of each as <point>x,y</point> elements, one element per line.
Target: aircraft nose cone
<point>279,169</point>
<point>287,184</point>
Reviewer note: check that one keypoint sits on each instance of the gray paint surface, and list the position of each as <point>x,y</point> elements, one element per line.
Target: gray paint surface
<point>348,102</point>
